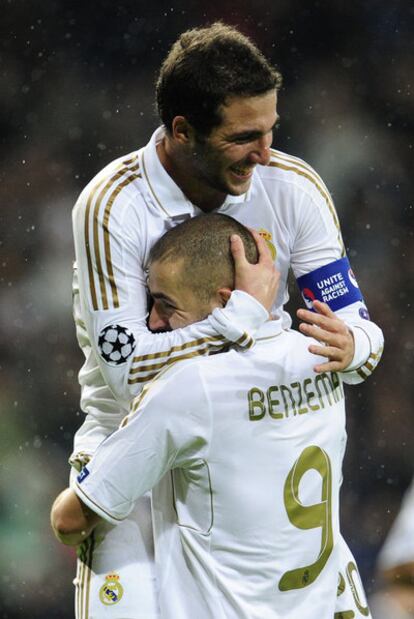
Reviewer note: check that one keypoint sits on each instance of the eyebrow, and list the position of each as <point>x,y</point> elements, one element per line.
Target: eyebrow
<point>253,132</point>
<point>163,297</point>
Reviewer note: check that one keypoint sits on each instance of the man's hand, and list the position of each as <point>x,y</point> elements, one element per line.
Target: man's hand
<point>260,280</point>
<point>332,332</point>
<point>72,521</point>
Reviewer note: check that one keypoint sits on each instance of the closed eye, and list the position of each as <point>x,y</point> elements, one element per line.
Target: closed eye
<point>244,138</point>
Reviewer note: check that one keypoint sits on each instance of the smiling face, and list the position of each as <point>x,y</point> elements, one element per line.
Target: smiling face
<point>225,160</point>
<point>175,304</point>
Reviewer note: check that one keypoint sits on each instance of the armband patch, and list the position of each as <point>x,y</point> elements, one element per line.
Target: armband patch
<point>334,284</point>
<point>82,475</point>
<point>363,312</point>
<point>116,344</point>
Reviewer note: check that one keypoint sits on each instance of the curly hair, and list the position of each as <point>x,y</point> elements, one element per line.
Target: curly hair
<point>205,67</point>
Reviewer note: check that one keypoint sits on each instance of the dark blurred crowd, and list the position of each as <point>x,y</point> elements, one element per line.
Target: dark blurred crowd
<point>76,91</point>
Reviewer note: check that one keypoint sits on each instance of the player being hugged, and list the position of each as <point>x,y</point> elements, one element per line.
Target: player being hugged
<point>247,522</point>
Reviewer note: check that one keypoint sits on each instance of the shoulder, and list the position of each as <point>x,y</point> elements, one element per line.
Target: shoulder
<point>181,385</point>
<point>297,350</point>
<point>289,170</point>
<point>118,182</point>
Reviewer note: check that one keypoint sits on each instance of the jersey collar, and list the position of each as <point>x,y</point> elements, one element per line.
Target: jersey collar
<point>269,329</point>
<point>164,191</point>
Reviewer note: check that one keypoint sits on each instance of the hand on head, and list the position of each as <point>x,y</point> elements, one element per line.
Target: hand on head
<point>260,280</point>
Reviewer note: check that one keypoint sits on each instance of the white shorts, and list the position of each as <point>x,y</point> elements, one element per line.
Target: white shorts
<point>398,548</point>
<point>351,601</point>
<point>115,577</point>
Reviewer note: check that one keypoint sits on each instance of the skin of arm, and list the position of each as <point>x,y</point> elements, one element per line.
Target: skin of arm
<point>72,521</point>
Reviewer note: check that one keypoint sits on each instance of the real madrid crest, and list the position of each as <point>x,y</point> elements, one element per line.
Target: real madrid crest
<point>268,238</point>
<point>112,591</point>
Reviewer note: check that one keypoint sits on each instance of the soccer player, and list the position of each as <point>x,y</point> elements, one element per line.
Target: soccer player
<point>244,449</point>
<point>396,566</point>
<point>217,98</point>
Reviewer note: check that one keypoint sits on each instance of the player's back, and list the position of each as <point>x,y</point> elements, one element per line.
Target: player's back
<point>258,517</point>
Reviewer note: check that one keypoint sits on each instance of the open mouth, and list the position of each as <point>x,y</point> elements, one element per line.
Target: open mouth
<point>243,172</point>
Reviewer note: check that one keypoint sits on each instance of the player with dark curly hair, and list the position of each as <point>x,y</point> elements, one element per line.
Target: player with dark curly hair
<point>217,97</point>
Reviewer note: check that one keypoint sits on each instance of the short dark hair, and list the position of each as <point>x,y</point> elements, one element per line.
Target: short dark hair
<point>205,67</point>
<point>203,245</point>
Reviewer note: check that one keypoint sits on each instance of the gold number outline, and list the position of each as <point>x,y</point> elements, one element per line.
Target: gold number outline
<point>309,516</point>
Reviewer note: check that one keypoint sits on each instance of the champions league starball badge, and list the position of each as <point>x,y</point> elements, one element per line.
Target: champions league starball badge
<point>116,344</point>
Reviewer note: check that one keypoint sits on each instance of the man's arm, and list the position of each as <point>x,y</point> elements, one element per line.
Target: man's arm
<point>323,273</point>
<point>110,244</point>
<point>72,521</point>
<point>337,341</point>
<point>153,439</point>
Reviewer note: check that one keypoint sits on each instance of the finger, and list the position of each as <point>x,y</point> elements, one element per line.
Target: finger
<point>262,247</point>
<point>331,366</point>
<point>331,324</point>
<point>323,308</point>
<point>237,250</point>
<point>330,352</point>
<point>322,335</point>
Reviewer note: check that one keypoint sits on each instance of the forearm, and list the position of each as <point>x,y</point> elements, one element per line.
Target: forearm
<point>150,352</point>
<point>369,344</point>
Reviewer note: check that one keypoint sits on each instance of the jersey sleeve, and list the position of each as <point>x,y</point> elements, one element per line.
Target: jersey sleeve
<point>168,427</point>
<point>110,246</point>
<point>317,244</point>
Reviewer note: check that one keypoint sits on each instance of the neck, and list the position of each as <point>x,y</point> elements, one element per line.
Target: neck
<point>181,171</point>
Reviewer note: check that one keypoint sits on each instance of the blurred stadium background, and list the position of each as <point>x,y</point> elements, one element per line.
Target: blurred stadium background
<point>76,84</point>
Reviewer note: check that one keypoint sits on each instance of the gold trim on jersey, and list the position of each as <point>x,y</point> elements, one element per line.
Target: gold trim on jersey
<point>245,341</point>
<point>97,196</point>
<point>174,501</point>
<point>370,364</point>
<point>136,402</point>
<point>205,345</point>
<point>166,353</point>
<point>83,577</point>
<point>142,379</point>
<point>159,366</point>
<point>303,169</point>
<point>138,399</point>
<point>99,506</point>
<point>268,337</point>
<point>151,187</point>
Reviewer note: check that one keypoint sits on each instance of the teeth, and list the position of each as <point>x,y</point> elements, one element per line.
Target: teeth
<point>241,171</point>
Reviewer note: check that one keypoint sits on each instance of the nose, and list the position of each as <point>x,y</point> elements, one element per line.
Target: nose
<point>261,152</point>
<point>156,322</point>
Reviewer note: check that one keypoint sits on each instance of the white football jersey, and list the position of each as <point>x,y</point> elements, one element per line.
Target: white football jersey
<point>398,548</point>
<point>245,451</point>
<point>117,219</point>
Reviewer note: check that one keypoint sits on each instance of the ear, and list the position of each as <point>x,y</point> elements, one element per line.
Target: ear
<point>182,131</point>
<point>223,295</point>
